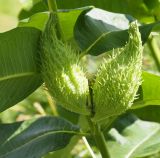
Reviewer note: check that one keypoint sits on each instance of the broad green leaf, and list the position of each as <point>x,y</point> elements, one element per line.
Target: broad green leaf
<point>37,20</point>
<point>19,74</point>
<point>93,27</point>
<point>68,115</point>
<point>136,8</point>
<point>67,18</point>
<point>150,94</point>
<point>65,152</point>
<point>132,137</point>
<point>148,113</point>
<point>34,138</point>
<point>98,31</point>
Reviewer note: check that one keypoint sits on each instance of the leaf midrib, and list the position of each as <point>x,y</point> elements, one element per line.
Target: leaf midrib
<point>45,134</point>
<point>18,75</point>
<point>131,152</point>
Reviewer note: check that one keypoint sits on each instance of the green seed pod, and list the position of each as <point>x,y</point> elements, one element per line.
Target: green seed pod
<point>118,78</point>
<point>62,72</point>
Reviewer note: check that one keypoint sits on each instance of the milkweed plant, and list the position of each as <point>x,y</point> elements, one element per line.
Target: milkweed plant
<point>97,98</point>
<point>112,89</point>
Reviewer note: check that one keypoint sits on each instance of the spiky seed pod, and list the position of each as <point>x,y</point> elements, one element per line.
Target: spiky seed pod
<point>62,73</point>
<point>118,78</point>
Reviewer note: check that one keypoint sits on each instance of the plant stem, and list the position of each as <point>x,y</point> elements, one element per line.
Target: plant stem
<point>95,128</point>
<point>52,6</point>
<point>99,139</point>
<point>155,51</point>
<point>53,9</point>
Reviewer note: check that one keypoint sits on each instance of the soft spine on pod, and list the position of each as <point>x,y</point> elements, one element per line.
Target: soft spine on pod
<point>118,78</point>
<point>62,73</point>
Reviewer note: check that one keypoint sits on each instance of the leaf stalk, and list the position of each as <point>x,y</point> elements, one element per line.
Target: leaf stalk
<point>52,5</point>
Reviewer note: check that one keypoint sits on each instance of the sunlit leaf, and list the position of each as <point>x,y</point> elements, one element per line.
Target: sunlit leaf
<point>132,137</point>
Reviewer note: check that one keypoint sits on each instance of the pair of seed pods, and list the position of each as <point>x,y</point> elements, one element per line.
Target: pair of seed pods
<point>113,87</point>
